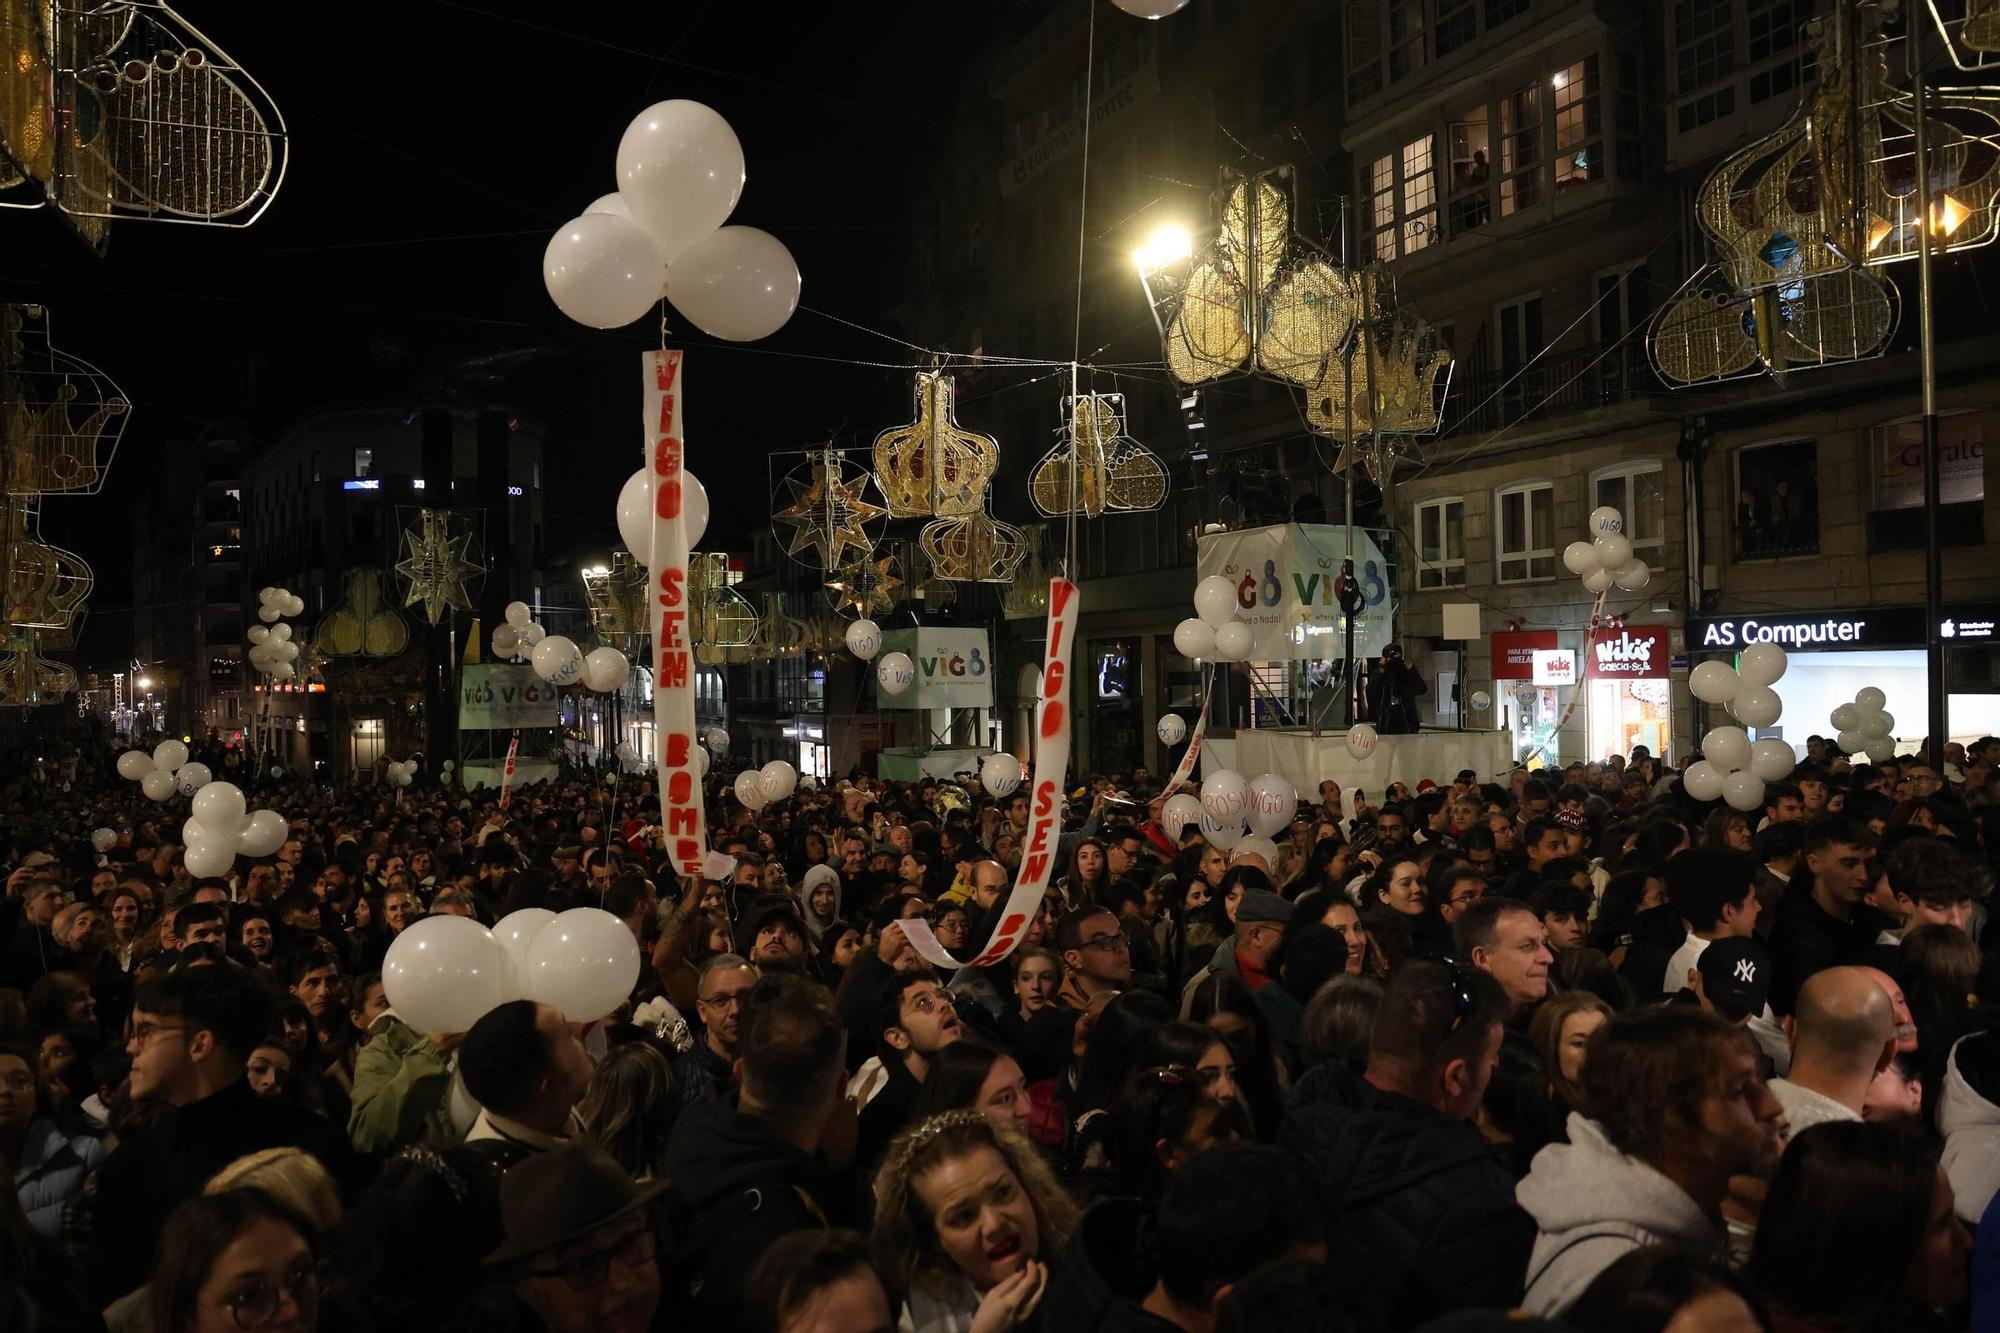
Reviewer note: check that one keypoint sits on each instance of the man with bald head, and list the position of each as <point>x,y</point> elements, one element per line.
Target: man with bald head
<point>989,886</point>
<point>1843,1034</point>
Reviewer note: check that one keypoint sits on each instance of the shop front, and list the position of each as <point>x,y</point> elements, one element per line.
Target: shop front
<point>1628,675</point>
<point>1526,677</point>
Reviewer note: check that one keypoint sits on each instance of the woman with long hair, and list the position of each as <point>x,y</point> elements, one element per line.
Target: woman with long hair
<point>967,1218</point>
<point>1561,1030</point>
<point>1224,1005</point>
<point>628,1108</point>
<point>235,1260</point>
<point>1117,1047</point>
<point>1398,886</point>
<point>1164,1119</point>
<point>1858,1232</point>
<point>1727,830</point>
<point>1086,875</point>
<point>970,1075</point>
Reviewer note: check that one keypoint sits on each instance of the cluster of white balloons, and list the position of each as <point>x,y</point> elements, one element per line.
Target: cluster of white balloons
<point>635,512</point>
<point>680,173</point>
<point>1000,774</point>
<point>1213,633</point>
<point>557,659</point>
<point>758,787</point>
<point>864,639</point>
<point>515,638</point>
<point>1607,557</point>
<point>1744,689</point>
<point>402,773</point>
<point>164,772</point>
<point>444,973</point>
<point>1732,766</point>
<point>272,651</point>
<point>1863,726</point>
<point>221,825</point>
<point>1235,813</point>
<point>632,761</point>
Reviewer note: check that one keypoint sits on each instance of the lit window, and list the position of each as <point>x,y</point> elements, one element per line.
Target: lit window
<point>1637,491</point>
<point>1441,543</point>
<point>1524,539</point>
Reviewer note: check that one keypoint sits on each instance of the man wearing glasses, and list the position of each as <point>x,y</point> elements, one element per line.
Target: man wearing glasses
<point>190,1037</point>
<point>580,1244</point>
<point>720,994</point>
<point>1097,954</point>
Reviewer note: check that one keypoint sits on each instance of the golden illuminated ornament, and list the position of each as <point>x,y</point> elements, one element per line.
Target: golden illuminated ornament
<point>723,617</point>
<point>1406,363</point>
<point>933,466</point>
<point>973,548</point>
<point>45,586</point>
<point>1027,597</point>
<point>1097,469</point>
<point>60,418</point>
<point>436,563</point>
<point>866,586</point>
<point>363,625</point>
<point>29,680</point>
<point>824,507</point>
<point>616,594</point>
<point>27,139</point>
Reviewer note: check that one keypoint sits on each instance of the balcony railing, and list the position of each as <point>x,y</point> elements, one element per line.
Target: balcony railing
<point>1573,380</point>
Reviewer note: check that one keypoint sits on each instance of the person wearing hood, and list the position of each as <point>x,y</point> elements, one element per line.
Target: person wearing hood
<point>747,1166</point>
<point>1677,1108</point>
<point>1428,1222</point>
<point>1223,1215</point>
<point>775,937</point>
<point>1969,1119</point>
<point>820,892</point>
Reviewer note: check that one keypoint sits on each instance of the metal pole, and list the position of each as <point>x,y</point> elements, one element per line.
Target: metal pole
<point>1349,680</point>
<point>1935,713</point>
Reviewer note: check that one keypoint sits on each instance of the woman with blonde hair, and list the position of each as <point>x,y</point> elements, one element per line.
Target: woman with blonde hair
<point>628,1109</point>
<point>967,1215</point>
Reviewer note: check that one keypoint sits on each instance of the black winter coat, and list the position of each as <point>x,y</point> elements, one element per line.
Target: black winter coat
<point>1428,1222</point>
<point>1103,1275</point>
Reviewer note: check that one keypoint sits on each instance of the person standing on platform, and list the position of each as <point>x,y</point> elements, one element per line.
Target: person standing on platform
<point>1392,694</point>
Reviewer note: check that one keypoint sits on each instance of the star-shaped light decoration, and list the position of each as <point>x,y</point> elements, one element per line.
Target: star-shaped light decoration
<point>825,507</point>
<point>435,564</point>
<point>867,585</point>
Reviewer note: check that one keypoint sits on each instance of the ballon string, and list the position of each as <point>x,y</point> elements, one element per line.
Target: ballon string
<point>1070,570</point>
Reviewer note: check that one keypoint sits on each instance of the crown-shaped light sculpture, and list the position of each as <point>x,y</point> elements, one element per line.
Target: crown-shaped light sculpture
<point>933,466</point>
<point>1400,356</point>
<point>1097,469</point>
<point>60,417</point>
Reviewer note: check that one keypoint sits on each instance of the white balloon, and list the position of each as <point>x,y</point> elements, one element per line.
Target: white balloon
<point>1714,682</point>
<point>518,614</point>
<point>447,766</point>
<point>1605,521</point>
<point>557,660</point>
<point>191,777</point>
<point>531,634</point>
<point>1223,833</point>
<point>515,932</point>
<point>1362,740</point>
<point>1180,810</point>
<point>1727,748</point>
<point>1598,580</point>
<point>268,614</point>
<point>103,839</point>
<point>264,834</point>
<point>1845,718</point>
<point>220,806</point>
<point>1757,706</point>
<point>158,785</point>
<point>1225,795</point>
<point>134,764</point>
<point>1195,638</point>
<point>680,172</point>
<point>1743,790</point>
<point>1581,558</point>
<point>209,858</point>
<point>169,755</point>
<point>602,270</point>
<point>613,203</point>
<point>864,639</point>
<point>1481,701</point>
<point>283,671</point>
<point>1762,663</point>
<point>445,972</point>
<point>268,594</point>
<point>1256,845</point>
<point>1771,759</point>
<point>1634,577</point>
<point>1172,729</point>
<point>1881,748</point>
<point>779,780</point>
<point>584,963</point>
<point>895,672</point>
<point>718,739</point>
<point>1703,780</point>
<point>736,283</point>
<point>506,640</point>
<point>257,633</point>
<point>1614,550</point>
<point>1851,741</point>
<point>1874,726</point>
<point>750,789</point>
<point>1215,600</point>
<point>295,605</point>
<point>1869,699</point>
<point>605,669</point>
<point>1233,642</point>
<point>1000,774</point>
<point>281,633</point>
<point>635,512</point>
<point>1273,800</point>
<point>1151,9</point>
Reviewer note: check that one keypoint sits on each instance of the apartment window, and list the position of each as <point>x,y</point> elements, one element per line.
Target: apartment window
<point>1471,152</point>
<point>1777,500</point>
<point>1638,491</point>
<point>1524,539</point>
<point>1728,54</point>
<point>1457,25</point>
<point>1520,149</point>
<point>1402,198</point>
<point>1518,341</point>
<point>1579,125</point>
<point>1499,11</point>
<point>1364,51</point>
<point>1896,483</point>
<point>1441,543</point>
<point>1406,38</point>
<point>364,462</point>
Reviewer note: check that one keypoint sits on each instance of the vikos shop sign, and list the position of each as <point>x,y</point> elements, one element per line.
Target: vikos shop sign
<point>1637,652</point>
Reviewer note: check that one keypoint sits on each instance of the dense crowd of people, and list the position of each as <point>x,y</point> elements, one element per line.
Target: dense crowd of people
<point>1563,1050</point>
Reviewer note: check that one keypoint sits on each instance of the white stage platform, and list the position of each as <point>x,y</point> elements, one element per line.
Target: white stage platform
<point>1437,755</point>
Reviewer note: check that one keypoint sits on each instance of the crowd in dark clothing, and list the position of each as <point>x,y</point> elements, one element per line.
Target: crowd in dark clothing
<point>1566,1050</point>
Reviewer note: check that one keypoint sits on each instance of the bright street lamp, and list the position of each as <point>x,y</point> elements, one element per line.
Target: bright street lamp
<point>1167,245</point>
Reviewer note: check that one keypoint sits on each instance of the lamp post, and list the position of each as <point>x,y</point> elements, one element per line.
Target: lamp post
<point>1936,720</point>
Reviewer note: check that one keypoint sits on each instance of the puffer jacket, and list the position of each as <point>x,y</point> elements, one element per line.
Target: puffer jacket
<point>1592,1205</point>
<point>1970,1123</point>
<point>1103,1275</point>
<point>401,1086</point>
<point>1428,1221</point>
<point>51,1173</point>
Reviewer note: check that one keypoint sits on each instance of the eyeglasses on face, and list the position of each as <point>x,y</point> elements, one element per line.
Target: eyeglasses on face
<point>634,1250</point>
<point>257,1306</point>
<point>1108,943</point>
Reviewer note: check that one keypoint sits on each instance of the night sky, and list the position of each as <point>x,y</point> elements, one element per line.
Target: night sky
<point>434,148</point>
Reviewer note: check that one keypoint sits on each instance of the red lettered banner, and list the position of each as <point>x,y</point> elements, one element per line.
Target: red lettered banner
<point>1038,848</point>
<point>506,774</point>
<point>681,821</point>
<point>1186,767</point>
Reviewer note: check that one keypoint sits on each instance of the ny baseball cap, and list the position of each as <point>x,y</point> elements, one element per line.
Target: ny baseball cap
<point>1736,973</point>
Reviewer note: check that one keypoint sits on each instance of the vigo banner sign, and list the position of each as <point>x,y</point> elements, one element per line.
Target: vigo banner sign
<point>1038,846</point>
<point>681,819</point>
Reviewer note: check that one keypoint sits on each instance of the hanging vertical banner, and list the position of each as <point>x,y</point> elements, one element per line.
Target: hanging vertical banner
<point>1185,769</point>
<point>681,822</point>
<point>507,776</point>
<point>1038,846</point>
